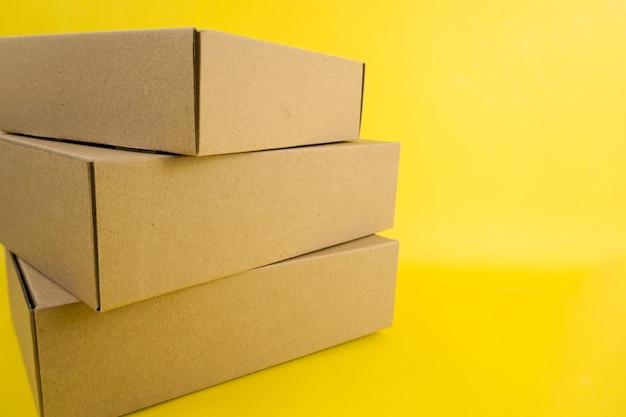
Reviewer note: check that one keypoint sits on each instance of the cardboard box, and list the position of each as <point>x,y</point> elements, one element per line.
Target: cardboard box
<point>114,227</point>
<point>185,91</point>
<point>84,363</point>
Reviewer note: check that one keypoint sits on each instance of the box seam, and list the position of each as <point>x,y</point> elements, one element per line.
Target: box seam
<point>33,328</point>
<point>26,292</point>
<point>96,258</point>
<point>196,87</point>
<point>362,97</point>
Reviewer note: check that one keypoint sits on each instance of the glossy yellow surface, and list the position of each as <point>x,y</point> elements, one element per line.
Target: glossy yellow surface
<point>511,208</point>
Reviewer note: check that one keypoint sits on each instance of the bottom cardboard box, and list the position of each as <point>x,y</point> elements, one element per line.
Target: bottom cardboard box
<point>81,362</point>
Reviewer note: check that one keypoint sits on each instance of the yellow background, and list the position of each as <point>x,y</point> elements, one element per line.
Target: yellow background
<point>511,208</point>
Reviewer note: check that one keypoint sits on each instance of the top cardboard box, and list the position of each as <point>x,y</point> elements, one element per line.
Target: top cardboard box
<point>182,91</point>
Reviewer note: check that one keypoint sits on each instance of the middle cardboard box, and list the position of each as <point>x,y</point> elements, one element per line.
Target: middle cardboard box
<point>114,227</point>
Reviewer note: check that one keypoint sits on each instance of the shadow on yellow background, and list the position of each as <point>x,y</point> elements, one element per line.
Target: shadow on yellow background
<point>510,209</point>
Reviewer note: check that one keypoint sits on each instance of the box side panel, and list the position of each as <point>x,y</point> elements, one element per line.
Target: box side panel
<point>23,322</point>
<point>97,364</point>
<point>129,88</point>
<point>205,218</point>
<point>46,215</point>
<point>258,95</point>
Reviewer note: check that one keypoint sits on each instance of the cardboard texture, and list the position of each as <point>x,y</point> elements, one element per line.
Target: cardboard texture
<point>185,91</point>
<point>114,227</point>
<point>81,362</point>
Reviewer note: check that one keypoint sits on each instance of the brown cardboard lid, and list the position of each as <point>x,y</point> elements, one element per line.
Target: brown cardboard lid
<point>80,151</point>
<point>42,291</point>
<point>108,153</point>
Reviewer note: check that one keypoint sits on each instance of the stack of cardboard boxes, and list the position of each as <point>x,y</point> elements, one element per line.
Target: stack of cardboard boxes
<point>175,228</point>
